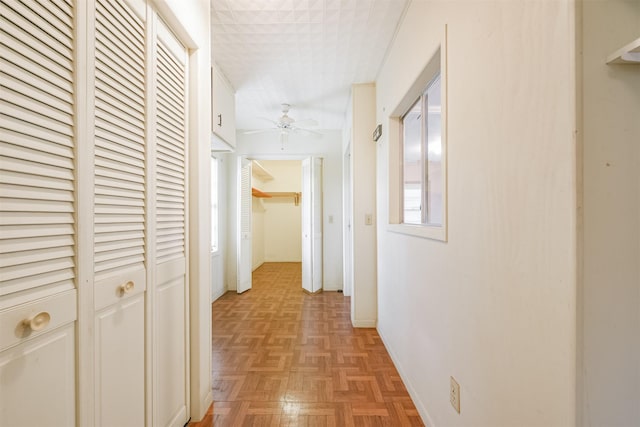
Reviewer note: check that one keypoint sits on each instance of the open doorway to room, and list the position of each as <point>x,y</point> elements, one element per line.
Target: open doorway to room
<point>280,221</point>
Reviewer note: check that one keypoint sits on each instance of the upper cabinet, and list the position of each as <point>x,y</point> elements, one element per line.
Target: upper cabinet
<point>223,110</point>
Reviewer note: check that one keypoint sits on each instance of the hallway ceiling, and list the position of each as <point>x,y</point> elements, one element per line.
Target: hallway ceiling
<point>306,53</point>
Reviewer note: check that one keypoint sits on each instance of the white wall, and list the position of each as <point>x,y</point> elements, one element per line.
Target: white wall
<point>494,306</point>
<point>268,146</point>
<point>218,259</point>
<point>611,289</point>
<point>363,192</point>
<point>283,219</point>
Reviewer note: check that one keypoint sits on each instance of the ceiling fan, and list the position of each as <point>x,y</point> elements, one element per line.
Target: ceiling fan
<point>286,124</point>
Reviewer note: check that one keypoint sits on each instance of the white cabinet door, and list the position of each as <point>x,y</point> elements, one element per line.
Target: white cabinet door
<point>224,108</point>
<point>37,381</point>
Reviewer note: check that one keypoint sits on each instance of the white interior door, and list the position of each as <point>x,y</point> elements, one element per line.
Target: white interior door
<point>316,224</point>
<point>312,225</point>
<point>307,273</point>
<point>348,235</point>
<point>244,226</point>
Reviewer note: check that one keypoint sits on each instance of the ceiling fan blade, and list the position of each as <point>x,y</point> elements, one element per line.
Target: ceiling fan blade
<point>307,131</point>
<point>306,122</point>
<point>250,132</point>
<point>273,122</point>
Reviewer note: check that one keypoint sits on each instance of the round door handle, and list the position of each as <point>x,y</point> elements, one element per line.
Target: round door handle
<point>127,287</point>
<point>38,322</point>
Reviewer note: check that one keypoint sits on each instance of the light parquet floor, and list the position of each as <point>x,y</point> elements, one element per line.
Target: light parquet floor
<point>285,358</point>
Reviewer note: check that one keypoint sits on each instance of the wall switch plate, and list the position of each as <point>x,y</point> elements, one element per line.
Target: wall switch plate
<point>330,219</point>
<point>368,219</point>
<point>454,394</point>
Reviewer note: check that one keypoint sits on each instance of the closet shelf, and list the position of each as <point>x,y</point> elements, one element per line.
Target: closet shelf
<point>279,194</point>
<point>629,54</point>
<point>259,172</point>
<point>261,194</point>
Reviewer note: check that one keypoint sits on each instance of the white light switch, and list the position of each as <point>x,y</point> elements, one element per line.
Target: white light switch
<point>368,219</point>
<point>330,219</point>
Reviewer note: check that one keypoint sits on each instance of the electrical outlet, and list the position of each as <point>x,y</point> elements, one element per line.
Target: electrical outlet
<point>454,394</point>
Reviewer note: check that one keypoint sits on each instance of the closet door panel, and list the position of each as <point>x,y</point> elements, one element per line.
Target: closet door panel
<point>170,330</point>
<point>120,210</point>
<point>37,380</point>
<point>119,360</point>
<point>37,213</point>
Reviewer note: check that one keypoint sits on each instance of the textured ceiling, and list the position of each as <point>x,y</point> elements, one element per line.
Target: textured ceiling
<point>306,53</point>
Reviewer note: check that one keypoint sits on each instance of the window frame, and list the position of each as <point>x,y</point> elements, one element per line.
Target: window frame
<point>415,93</point>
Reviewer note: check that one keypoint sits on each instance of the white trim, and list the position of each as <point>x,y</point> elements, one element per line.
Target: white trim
<point>84,77</point>
<point>150,345</point>
<point>424,231</point>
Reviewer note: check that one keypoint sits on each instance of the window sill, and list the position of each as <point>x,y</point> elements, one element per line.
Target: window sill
<point>423,231</point>
<point>215,253</point>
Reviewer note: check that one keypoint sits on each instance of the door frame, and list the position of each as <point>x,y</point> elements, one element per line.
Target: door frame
<point>238,215</point>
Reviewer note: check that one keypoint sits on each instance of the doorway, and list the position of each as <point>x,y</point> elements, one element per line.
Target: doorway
<point>280,217</point>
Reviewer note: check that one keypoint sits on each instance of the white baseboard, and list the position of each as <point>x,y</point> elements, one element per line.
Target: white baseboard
<point>332,287</point>
<point>426,419</point>
<point>218,294</point>
<point>364,323</point>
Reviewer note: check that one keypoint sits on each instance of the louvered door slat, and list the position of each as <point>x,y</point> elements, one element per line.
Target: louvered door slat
<point>38,67</point>
<point>57,9</point>
<point>168,96</point>
<point>123,19</point>
<point>18,218</point>
<point>16,74</point>
<point>37,193</point>
<point>53,278</point>
<point>41,242</point>
<point>120,140</point>
<point>115,147</point>
<point>35,118</point>
<point>18,179</point>
<point>118,244</point>
<point>18,42</point>
<point>51,33</point>
<point>18,38</point>
<point>170,160</point>
<point>172,118</point>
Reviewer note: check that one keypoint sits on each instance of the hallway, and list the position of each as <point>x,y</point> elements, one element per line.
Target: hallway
<point>285,358</point>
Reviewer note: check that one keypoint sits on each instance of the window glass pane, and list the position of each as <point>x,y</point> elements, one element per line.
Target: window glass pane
<point>412,165</point>
<point>214,204</point>
<point>435,178</point>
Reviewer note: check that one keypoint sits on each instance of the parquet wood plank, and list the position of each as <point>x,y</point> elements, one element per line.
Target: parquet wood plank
<point>282,357</point>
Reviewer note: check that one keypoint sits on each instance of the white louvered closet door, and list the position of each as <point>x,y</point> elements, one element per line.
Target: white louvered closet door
<point>119,212</point>
<point>37,213</point>
<point>170,299</point>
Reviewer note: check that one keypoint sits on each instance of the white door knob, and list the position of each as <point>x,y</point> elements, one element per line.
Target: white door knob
<point>37,322</point>
<point>126,288</point>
